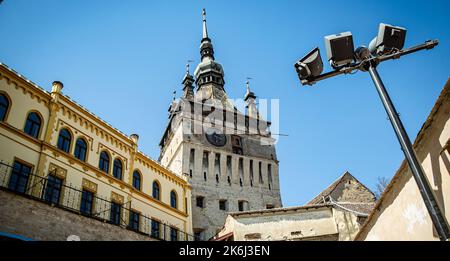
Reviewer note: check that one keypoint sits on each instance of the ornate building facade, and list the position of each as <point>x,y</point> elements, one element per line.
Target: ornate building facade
<point>227,155</point>
<point>56,153</point>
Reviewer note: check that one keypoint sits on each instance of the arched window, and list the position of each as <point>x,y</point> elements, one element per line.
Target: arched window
<point>33,125</point>
<point>156,192</point>
<point>103,163</point>
<point>64,140</point>
<point>117,169</point>
<point>137,180</point>
<point>173,199</point>
<point>4,105</point>
<point>80,149</point>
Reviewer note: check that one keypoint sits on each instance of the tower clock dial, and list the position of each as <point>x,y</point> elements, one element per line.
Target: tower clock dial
<point>216,138</point>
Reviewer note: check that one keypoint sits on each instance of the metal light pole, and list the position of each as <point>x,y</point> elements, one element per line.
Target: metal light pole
<point>368,63</point>
<point>416,168</point>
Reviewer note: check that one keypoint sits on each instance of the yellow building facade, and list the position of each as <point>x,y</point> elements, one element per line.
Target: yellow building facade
<point>55,150</point>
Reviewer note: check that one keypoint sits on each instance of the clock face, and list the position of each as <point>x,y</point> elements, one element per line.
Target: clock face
<point>215,138</point>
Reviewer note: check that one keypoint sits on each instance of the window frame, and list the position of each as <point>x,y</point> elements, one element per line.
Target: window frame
<point>172,236</point>
<point>102,160</point>
<point>20,176</point>
<point>114,168</point>
<point>225,205</point>
<point>39,130</point>
<point>85,149</point>
<point>140,180</point>
<point>50,187</point>
<point>174,196</point>
<point>83,201</point>
<point>115,214</point>
<point>158,186</point>
<point>202,201</point>
<point>69,143</point>
<point>8,107</point>
<point>155,232</point>
<point>133,223</point>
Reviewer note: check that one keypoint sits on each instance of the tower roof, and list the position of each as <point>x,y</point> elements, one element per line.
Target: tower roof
<point>206,47</point>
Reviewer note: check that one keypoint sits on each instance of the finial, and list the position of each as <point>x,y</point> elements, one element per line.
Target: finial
<point>248,84</point>
<point>187,66</point>
<point>205,30</point>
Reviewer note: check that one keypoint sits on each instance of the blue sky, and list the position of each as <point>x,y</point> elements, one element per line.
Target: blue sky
<point>123,59</point>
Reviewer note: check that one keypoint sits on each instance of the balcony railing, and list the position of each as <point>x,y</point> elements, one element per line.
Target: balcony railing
<point>51,190</point>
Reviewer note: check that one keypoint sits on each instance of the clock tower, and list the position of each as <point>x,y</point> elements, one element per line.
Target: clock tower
<point>227,155</point>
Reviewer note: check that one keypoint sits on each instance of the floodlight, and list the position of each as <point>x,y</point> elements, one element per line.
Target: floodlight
<point>339,49</point>
<point>309,66</point>
<point>390,39</point>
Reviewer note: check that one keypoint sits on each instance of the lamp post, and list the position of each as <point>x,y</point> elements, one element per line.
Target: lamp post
<point>387,45</point>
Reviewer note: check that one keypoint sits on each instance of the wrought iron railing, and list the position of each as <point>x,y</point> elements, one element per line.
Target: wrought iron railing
<point>53,191</point>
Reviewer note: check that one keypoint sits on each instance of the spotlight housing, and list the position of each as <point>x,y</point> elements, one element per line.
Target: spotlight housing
<point>340,49</point>
<point>310,65</point>
<point>390,39</point>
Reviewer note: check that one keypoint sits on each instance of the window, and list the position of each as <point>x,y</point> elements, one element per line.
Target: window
<point>155,193</point>
<point>53,190</point>
<point>80,149</point>
<point>198,235</point>
<point>64,140</point>
<point>4,106</point>
<point>117,169</point>
<point>103,163</point>
<point>200,201</point>
<point>173,234</point>
<point>87,200</point>
<point>242,205</point>
<point>261,181</point>
<point>229,169</point>
<point>136,180</point>
<point>205,164</point>
<point>222,204</point>
<point>115,214</point>
<point>191,160</point>
<point>33,125</point>
<point>173,199</point>
<point>134,221</point>
<point>19,177</point>
<point>269,175</point>
<point>236,143</point>
<point>269,206</point>
<point>251,172</point>
<point>241,171</point>
<point>217,164</point>
<point>155,229</point>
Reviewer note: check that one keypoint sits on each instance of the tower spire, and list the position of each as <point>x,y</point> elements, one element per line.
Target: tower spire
<point>188,80</point>
<point>206,47</point>
<point>205,29</point>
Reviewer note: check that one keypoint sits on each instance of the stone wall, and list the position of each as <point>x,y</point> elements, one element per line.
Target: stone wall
<point>38,221</point>
<point>350,190</point>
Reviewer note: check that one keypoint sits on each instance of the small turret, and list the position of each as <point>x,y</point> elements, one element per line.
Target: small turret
<point>251,104</point>
<point>188,81</point>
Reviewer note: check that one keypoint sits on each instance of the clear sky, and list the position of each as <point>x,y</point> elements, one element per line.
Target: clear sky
<point>123,59</point>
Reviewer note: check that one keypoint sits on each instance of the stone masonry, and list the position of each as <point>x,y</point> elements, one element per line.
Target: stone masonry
<point>45,222</point>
